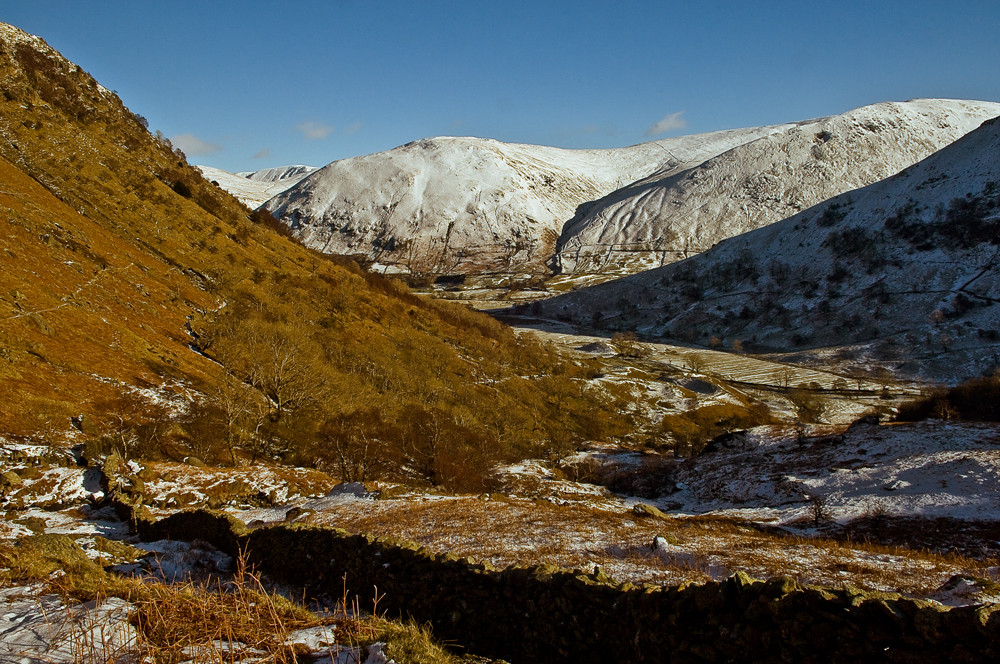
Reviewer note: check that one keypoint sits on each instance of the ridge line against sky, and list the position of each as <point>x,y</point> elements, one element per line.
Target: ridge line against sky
<point>249,85</point>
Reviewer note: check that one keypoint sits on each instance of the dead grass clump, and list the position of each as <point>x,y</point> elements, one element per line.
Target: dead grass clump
<point>221,621</point>
<point>46,557</point>
<point>412,643</point>
<point>175,621</point>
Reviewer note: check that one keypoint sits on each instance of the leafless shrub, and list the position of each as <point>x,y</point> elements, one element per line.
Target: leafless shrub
<point>819,509</point>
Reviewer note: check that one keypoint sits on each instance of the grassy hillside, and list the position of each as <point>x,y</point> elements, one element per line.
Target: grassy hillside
<point>137,293</point>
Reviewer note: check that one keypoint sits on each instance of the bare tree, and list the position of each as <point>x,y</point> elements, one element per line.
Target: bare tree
<point>819,508</point>
<point>695,363</point>
<point>627,344</point>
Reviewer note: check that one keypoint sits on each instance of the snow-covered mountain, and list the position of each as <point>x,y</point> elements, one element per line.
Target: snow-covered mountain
<point>905,270</point>
<point>468,204</point>
<point>678,212</point>
<point>255,187</point>
<point>465,205</point>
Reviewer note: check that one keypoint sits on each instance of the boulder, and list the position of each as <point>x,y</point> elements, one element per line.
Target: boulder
<point>10,479</point>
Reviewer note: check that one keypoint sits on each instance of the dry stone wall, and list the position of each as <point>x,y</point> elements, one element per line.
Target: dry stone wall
<point>527,615</point>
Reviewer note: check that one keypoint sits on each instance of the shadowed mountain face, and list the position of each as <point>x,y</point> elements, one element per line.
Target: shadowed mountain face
<point>466,205</point>
<point>906,270</point>
<point>139,294</point>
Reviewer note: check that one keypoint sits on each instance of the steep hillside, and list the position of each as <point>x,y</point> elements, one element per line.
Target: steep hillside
<point>904,271</point>
<point>465,205</point>
<point>254,187</point>
<point>676,213</point>
<point>137,293</point>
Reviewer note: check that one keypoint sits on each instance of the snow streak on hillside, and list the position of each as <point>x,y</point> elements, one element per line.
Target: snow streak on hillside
<point>255,187</point>
<point>907,269</point>
<point>447,204</point>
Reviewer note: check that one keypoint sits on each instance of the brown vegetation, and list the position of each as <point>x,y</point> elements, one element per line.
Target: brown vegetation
<point>688,433</point>
<point>975,400</point>
<point>124,270</point>
<point>220,619</point>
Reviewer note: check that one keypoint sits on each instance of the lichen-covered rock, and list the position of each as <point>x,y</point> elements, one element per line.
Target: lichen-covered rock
<point>46,553</point>
<point>111,470</point>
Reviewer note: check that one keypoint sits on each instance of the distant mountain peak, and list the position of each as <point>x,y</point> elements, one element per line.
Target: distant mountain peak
<point>255,187</point>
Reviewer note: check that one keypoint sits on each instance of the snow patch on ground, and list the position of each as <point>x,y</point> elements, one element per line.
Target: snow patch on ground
<point>927,469</point>
<point>38,628</point>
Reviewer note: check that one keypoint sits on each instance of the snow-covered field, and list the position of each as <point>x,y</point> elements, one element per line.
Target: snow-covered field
<point>927,469</point>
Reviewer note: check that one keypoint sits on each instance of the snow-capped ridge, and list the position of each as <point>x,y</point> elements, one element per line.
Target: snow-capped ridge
<point>278,173</point>
<point>671,215</point>
<point>462,204</point>
<point>453,204</point>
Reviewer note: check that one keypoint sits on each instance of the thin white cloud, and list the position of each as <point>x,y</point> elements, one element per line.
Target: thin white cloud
<point>193,146</point>
<point>266,152</point>
<point>354,128</point>
<point>668,123</point>
<point>313,131</point>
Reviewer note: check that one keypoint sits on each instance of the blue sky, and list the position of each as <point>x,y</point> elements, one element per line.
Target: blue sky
<point>248,85</point>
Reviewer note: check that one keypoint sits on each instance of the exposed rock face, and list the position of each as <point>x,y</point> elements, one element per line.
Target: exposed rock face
<point>447,205</point>
<point>677,212</point>
<point>904,270</point>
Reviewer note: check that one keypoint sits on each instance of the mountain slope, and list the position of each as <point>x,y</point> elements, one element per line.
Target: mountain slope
<point>905,270</point>
<point>254,187</point>
<point>466,205</point>
<point>673,214</point>
<point>447,204</point>
<point>137,293</point>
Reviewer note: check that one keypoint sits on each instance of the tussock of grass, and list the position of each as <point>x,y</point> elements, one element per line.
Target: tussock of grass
<point>412,643</point>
